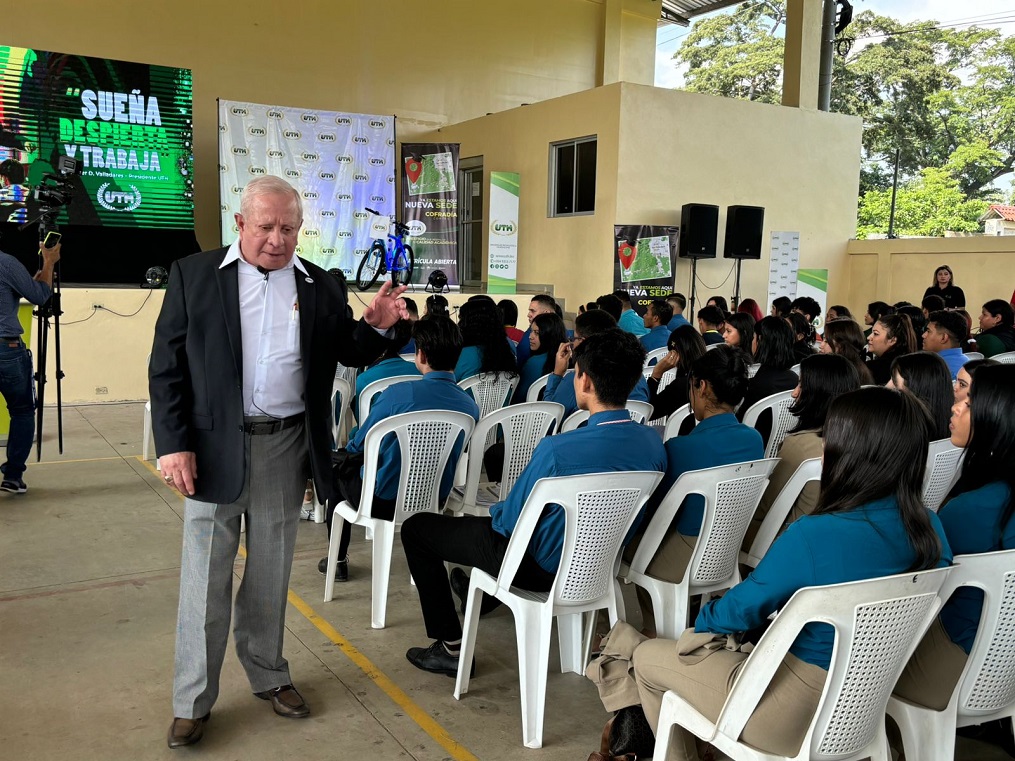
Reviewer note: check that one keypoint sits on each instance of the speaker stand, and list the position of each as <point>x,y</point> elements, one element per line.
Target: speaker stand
<point>694,285</point>
<point>736,287</point>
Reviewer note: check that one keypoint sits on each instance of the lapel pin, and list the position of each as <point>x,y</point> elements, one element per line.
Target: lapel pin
<point>309,279</point>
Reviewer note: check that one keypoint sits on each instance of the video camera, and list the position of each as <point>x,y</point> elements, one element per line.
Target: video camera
<point>57,190</point>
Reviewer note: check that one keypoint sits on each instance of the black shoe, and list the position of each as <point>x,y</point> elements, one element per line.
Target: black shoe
<point>286,702</point>
<point>341,569</point>
<point>184,732</point>
<point>460,586</point>
<point>436,659</point>
<point>14,486</point>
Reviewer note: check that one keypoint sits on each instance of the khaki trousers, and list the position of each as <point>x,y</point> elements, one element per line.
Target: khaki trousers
<point>779,722</point>
<point>930,677</point>
<point>669,564</point>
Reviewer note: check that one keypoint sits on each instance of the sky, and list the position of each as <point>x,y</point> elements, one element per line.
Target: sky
<point>669,37</point>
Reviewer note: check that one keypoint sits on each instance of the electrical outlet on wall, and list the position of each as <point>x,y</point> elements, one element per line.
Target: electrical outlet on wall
<point>101,389</point>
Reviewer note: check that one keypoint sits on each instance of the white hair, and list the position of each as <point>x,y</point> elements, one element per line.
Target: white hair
<point>268,185</point>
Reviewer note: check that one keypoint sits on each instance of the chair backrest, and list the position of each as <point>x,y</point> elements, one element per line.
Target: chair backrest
<point>408,357</point>
<point>732,494</point>
<point>709,347</point>
<point>1005,358</point>
<point>574,420</point>
<point>782,420</point>
<point>666,380</point>
<point>492,391</point>
<point>775,519</point>
<point>676,421</point>
<point>796,369</point>
<point>752,369</point>
<point>366,397</point>
<point>425,440</point>
<point>341,393</point>
<point>987,684</point>
<point>640,411</point>
<point>878,624</point>
<point>524,426</point>
<point>943,462</point>
<point>532,395</point>
<point>655,355</point>
<point>599,509</point>
<point>971,355</point>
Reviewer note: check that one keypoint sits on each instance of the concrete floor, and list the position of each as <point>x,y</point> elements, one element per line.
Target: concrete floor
<point>89,569</point>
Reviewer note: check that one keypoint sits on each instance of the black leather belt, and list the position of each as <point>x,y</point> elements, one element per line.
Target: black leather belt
<point>10,338</point>
<point>264,427</point>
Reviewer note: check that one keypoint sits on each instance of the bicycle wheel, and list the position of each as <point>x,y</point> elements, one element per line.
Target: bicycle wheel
<point>370,267</point>
<point>405,265</point>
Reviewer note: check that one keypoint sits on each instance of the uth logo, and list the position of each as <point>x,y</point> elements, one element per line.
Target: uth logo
<point>239,150</point>
<point>344,234</point>
<point>327,176</point>
<point>310,195</point>
<point>327,214</point>
<point>378,123</point>
<point>343,159</point>
<point>258,131</point>
<point>378,199</point>
<point>343,197</point>
<point>501,227</point>
<point>274,113</point>
<point>343,121</point>
<point>257,170</point>
<point>360,215</point>
<point>275,154</point>
<point>361,140</point>
<point>238,111</point>
<point>293,173</point>
<point>326,137</point>
<point>361,177</point>
<point>377,161</point>
<point>292,134</point>
<point>306,156</point>
<point>118,200</point>
<point>309,118</point>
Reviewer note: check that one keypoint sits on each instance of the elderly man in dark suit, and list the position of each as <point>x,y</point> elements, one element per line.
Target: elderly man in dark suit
<point>240,381</point>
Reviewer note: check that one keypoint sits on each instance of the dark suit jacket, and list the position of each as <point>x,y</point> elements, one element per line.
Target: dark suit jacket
<point>195,379</point>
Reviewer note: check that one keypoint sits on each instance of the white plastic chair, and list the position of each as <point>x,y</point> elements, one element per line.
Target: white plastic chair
<point>532,395</point>
<point>655,355</point>
<point>775,519</point>
<point>709,347</point>
<point>878,623</point>
<point>408,357</point>
<point>492,391</point>
<point>732,494</point>
<point>524,426</point>
<point>676,421</point>
<point>425,441</point>
<point>639,411</point>
<point>971,355</point>
<point>599,510</point>
<point>782,420</point>
<point>986,689</point>
<point>366,397</point>
<point>752,369</point>
<point>341,394</point>
<point>943,463</point>
<point>796,369</point>
<point>1005,358</point>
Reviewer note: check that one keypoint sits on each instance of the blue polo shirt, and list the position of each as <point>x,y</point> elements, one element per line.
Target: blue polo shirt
<point>955,359</point>
<point>676,321</point>
<point>972,523</point>
<point>611,442</point>
<point>470,361</point>
<point>436,391</point>
<point>388,368</point>
<point>561,391</point>
<point>657,338</point>
<point>816,550</point>
<point>718,440</point>
<point>632,322</point>
<point>531,371</point>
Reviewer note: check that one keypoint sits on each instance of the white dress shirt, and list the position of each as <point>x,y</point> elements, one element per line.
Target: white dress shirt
<point>270,326</point>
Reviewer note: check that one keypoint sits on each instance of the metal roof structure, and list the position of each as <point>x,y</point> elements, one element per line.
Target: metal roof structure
<point>682,11</point>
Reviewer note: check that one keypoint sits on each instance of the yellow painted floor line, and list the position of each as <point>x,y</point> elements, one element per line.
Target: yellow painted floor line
<point>397,695</point>
<point>89,459</point>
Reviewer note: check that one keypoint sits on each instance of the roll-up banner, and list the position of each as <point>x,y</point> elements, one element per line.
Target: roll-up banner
<point>502,250</point>
<point>341,164</point>
<point>644,259</point>
<point>430,207</point>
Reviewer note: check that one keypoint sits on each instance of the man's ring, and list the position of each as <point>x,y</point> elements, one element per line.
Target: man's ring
<point>169,479</point>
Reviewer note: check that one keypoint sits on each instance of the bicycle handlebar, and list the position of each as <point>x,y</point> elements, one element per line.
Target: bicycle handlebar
<point>400,227</point>
<point>372,211</point>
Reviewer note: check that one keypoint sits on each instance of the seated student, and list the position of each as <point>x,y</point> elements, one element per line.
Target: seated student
<point>560,385</point>
<point>781,306</point>
<point>439,342</point>
<point>931,304</point>
<point>546,334</point>
<point>720,302</point>
<point>875,311</point>
<point>413,310</point>
<point>869,522</point>
<point>946,334</point>
<point>823,378</point>
<point>486,349</point>
<point>710,322</point>
<point>915,315</point>
<point>509,316</point>
<point>803,335</point>
<point>773,351</point>
<point>750,306</point>
<point>890,337</point>
<point>718,381</point>
<point>806,306</point>
<point>611,305</point>
<point>739,331</point>
<point>679,303</point>
<point>607,365</point>
<point>657,318</point>
<point>997,328</point>
<point>844,337</point>
<point>685,347</point>
<point>389,365</point>
<point>925,375</point>
<point>837,311</point>
<point>629,319</point>
<point>542,303</point>
<point>965,377</point>
<point>977,518</point>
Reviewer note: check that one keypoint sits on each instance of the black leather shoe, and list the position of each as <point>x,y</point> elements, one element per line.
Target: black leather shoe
<point>460,586</point>
<point>341,569</point>
<point>436,659</point>
<point>286,701</point>
<point>186,731</point>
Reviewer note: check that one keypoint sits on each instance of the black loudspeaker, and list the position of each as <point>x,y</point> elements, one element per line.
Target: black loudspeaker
<point>699,226</point>
<point>743,232</point>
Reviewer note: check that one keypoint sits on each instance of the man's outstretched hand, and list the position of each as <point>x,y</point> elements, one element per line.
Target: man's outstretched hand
<point>387,308</point>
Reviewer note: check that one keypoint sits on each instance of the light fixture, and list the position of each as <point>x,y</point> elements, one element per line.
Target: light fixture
<point>437,282</point>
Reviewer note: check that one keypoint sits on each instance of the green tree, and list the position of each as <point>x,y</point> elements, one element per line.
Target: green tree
<point>928,205</point>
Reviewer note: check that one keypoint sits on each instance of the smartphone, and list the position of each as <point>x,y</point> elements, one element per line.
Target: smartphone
<point>51,240</point>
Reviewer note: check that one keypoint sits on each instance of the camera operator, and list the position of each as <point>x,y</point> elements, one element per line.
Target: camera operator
<point>16,360</point>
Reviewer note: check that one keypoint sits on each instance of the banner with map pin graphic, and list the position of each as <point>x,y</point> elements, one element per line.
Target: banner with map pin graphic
<point>430,207</point>
<point>644,262</point>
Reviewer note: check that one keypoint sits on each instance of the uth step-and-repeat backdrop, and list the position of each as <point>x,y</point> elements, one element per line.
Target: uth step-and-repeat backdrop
<point>341,163</point>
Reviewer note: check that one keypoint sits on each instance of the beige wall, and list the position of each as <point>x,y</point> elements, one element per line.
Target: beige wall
<point>902,269</point>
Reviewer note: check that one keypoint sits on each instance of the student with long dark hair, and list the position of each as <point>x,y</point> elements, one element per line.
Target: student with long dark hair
<point>803,335</point>
<point>509,316</point>
<point>925,375</point>
<point>685,346</point>
<point>875,311</point>
<point>844,337</point>
<point>837,311</point>
<point>891,337</point>
<point>486,348</point>
<point>547,333</point>
<point>823,378</point>
<point>869,522</point>
<point>965,377</point>
<point>739,331</point>
<point>977,518</point>
<point>997,328</point>
<point>773,351</point>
